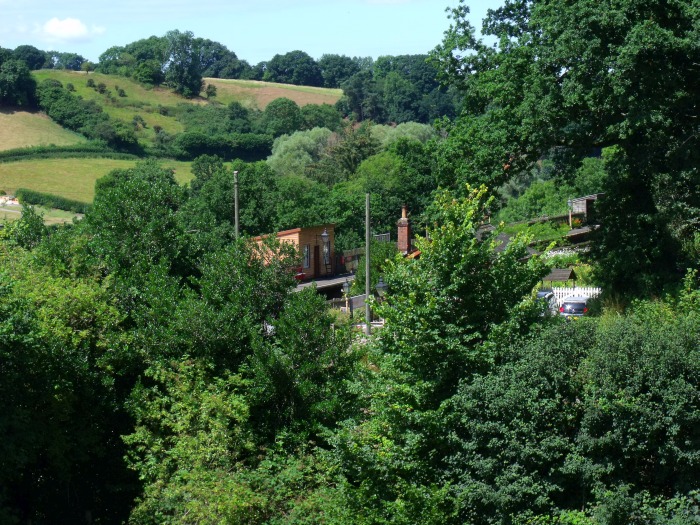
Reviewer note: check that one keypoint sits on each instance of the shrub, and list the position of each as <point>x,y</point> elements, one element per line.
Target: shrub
<point>26,196</point>
<point>90,83</point>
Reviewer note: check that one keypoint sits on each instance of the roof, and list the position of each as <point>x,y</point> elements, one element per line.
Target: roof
<point>592,197</point>
<point>561,275</point>
<point>284,233</point>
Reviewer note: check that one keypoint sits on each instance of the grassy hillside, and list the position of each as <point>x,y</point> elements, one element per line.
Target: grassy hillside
<point>154,105</point>
<point>253,93</point>
<point>75,178</point>
<point>70,178</point>
<point>20,129</point>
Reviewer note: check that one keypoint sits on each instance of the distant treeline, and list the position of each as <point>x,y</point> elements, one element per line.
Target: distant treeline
<point>391,89</point>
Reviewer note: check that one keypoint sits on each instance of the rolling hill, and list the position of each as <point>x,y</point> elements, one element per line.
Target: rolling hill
<point>21,129</point>
<point>74,178</point>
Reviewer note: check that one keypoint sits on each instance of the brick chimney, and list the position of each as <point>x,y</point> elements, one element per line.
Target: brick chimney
<point>404,234</point>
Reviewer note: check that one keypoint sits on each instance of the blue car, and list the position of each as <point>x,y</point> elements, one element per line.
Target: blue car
<point>574,307</point>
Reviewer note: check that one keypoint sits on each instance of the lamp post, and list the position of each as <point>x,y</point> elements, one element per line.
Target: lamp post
<point>326,248</point>
<point>381,288</point>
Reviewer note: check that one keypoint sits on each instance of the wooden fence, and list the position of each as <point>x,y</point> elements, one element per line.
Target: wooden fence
<point>562,293</point>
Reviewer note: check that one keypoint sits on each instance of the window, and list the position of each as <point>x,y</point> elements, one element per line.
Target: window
<point>307,256</point>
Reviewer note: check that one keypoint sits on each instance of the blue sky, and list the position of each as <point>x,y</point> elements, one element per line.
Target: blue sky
<point>255,30</point>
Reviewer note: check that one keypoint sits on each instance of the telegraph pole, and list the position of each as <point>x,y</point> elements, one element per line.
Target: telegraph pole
<point>368,314</point>
<point>235,201</point>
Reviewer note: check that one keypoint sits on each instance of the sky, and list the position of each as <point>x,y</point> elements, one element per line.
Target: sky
<point>256,30</point>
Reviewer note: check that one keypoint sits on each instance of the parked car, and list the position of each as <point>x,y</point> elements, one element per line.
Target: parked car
<point>546,297</point>
<point>573,307</point>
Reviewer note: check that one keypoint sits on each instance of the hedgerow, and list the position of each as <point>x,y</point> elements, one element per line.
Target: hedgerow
<point>27,196</point>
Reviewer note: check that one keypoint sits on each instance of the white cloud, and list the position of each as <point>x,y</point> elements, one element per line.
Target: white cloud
<point>68,30</point>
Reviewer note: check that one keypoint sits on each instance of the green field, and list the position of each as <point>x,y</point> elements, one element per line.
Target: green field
<point>70,178</point>
<point>75,178</point>
<point>51,216</point>
<point>20,129</point>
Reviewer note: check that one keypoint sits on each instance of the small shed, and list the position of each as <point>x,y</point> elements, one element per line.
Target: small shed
<point>560,275</point>
<point>586,205</point>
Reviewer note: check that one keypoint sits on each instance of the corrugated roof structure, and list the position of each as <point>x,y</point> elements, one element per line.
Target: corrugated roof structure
<point>561,275</point>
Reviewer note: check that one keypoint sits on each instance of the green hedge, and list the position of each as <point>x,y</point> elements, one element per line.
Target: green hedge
<point>91,150</point>
<point>26,196</point>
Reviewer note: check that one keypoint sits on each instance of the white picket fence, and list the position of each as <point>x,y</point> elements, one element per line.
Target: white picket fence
<point>576,291</point>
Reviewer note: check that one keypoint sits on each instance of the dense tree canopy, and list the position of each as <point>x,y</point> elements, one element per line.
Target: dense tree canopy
<point>566,78</point>
<point>17,86</point>
<point>295,67</point>
<point>183,63</point>
<point>336,69</point>
<point>155,368</point>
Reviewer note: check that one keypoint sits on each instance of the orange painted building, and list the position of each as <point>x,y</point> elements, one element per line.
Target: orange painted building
<point>316,246</point>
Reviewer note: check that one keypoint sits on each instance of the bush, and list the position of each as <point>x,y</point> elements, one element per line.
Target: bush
<point>89,150</point>
<point>26,196</point>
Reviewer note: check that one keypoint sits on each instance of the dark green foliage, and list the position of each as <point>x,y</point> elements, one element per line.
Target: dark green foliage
<point>204,168</point>
<point>130,232</point>
<point>362,98</point>
<point>183,64</point>
<point>209,119</point>
<point>396,89</point>
<point>70,61</point>
<point>567,79</point>
<point>320,116</point>
<point>31,56</point>
<point>143,59</point>
<point>85,117</point>
<point>239,118</point>
<point>89,150</point>
<point>247,146</point>
<point>17,86</point>
<point>60,422</point>
<point>439,312</point>
<point>213,195</point>
<point>51,201</point>
<point>281,116</point>
<point>301,202</point>
<point>29,230</point>
<point>380,253</point>
<point>340,160</point>
<point>217,61</point>
<point>295,67</point>
<point>515,428</point>
<point>336,69</point>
